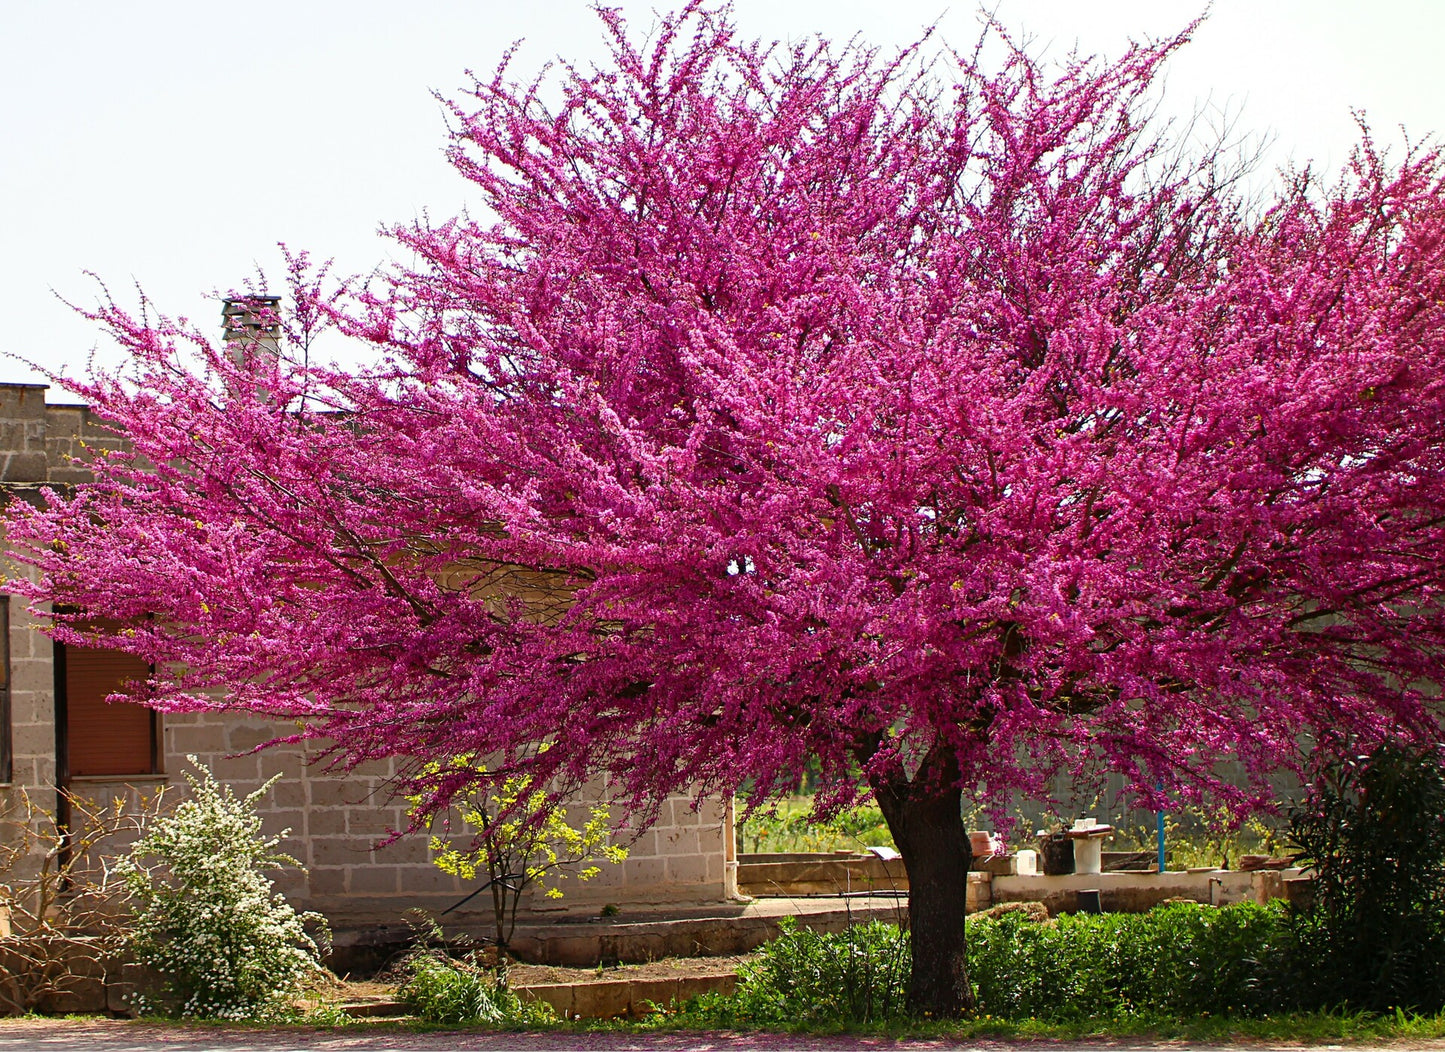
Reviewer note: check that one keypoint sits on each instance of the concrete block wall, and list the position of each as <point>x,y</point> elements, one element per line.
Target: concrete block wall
<point>23,456</point>
<point>337,822</point>
<point>1135,892</point>
<point>32,698</point>
<point>72,433</point>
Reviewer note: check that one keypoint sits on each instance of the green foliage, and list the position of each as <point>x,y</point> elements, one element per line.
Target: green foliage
<point>1192,838</point>
<point>1179,959</point>
<point>807,978</point>
<point>446,991</point>
<point>790,827</point>
<point>1373,828</point>
<point>1211,841</point>
<point>520,839</point>
<point>206,915</point>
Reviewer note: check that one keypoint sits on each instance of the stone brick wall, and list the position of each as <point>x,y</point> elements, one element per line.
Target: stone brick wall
<point>32,699</point>
<point>23,456</point>
<point>71,433</point>
<point>337,821</point>
<point>338,824</point>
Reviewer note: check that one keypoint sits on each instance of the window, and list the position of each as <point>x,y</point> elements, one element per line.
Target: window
<point>102,739</point>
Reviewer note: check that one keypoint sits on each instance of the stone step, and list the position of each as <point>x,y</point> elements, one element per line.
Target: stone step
<point>636,942</point>
<point>593,999</point>
<point>374,1008</point>
<point>822,875</point>
<point>614,998</point>
<point>635,936</point>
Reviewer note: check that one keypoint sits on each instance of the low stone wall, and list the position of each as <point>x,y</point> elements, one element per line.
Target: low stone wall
<point>66,975</point>
<point>613,998</point>
<point>1137,892</point>
<point>801,874</point>
<point>89,981</point>
<point>583,945</point>
<point>583,942</point>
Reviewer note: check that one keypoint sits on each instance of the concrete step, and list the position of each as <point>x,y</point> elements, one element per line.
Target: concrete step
<point>822,875</point>
<point>374,1008</point>
<point>613,998</point>
<point>636,935</point>
<point>593,999</point>
<point>726,932</point>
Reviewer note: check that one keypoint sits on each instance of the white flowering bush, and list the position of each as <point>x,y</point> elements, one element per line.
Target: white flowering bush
<point>207,917</point>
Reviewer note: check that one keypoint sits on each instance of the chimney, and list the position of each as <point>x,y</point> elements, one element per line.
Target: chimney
<point>251,325</point>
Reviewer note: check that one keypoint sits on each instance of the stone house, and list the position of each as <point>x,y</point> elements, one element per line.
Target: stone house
<point>58,733</point>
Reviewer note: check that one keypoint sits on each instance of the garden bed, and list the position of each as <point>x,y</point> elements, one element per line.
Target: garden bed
<point>627,990</point>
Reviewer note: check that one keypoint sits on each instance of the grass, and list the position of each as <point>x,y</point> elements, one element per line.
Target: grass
<point>1189,839</point>
<point>1339,1027</point>
<point>1305,1028</point>
<point>788,827</point>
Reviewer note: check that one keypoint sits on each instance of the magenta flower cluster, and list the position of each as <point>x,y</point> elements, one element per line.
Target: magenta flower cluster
<point>914,417</point>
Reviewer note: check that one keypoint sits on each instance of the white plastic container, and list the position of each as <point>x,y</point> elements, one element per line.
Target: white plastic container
<point>1088,837</point>
<point>1088,854</point>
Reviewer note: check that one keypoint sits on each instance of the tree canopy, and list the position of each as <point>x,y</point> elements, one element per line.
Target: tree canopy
<point>946,423</point>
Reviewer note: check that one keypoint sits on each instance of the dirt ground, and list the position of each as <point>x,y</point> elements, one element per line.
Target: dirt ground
<point>519,975</point>
<point>668,968</point>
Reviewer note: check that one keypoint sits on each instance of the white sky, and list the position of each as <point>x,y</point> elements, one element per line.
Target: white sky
<point>172,144</point>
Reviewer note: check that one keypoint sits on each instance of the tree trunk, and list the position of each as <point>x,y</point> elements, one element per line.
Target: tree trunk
<point>925,817</point>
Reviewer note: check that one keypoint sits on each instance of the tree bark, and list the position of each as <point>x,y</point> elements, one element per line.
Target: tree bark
<point>924,814</point>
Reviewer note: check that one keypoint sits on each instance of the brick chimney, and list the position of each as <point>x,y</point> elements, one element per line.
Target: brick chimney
<point>250,326</point>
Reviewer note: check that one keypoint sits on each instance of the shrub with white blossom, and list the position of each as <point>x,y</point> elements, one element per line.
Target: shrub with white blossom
<point>207,917</point>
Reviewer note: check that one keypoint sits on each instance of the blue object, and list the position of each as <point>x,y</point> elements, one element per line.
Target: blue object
<point>1161,838</point>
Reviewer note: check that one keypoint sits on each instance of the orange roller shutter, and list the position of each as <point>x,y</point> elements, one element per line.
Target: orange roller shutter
<point>105,739</point>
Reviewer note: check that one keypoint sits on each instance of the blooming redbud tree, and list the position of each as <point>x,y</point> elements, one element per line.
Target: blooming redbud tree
<point>932,420</point>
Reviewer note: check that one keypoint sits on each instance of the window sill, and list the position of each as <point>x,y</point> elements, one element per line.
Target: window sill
<point>118,779</point>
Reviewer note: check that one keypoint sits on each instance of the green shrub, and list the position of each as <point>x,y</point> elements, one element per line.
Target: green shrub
<point>1180,960</point>
<point>439,989</point>
<point>1373,828</point>
<point>816,979</point>
<point>790,825</point>
<point>520,841</point>
<point>207,918</point>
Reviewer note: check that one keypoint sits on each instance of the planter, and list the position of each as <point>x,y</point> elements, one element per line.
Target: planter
<point>1056,851</point>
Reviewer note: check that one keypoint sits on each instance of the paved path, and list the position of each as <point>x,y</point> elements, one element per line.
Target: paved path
<point>63,1035</point>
